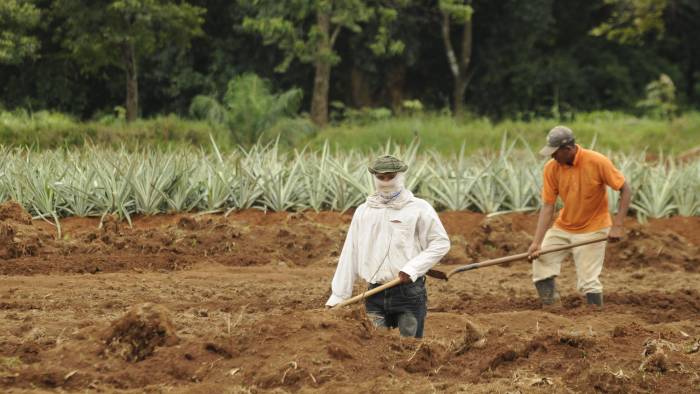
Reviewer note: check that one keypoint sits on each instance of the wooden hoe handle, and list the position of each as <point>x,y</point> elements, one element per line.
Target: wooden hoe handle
<point>368,293</point>
<point>522,256</point>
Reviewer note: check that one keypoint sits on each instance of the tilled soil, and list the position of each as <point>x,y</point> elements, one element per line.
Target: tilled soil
<point>186,303</point>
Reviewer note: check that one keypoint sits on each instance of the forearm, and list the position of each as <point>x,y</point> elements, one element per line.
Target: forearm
<point>424,261</point>
<point>625,198</point>
<point>543,222</point>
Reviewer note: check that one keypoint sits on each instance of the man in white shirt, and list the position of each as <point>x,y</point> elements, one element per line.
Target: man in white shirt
<point>393,234</point>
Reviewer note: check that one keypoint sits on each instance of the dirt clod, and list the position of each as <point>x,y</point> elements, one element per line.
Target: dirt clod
<point>188,223</point>
<point>137,334</point>
<point>338,352</point>
<point>425,358</point>
<point>473,338</point>
<point>576,340</point>
<point>657,362</point>
<point>618,332</point>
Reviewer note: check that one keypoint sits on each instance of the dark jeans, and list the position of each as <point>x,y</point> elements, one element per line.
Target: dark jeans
<point>403,306</point>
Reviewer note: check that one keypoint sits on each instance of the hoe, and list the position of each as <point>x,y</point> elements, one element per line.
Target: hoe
<point>441,275</point>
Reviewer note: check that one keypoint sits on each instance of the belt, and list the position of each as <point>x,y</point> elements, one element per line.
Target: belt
<point>420,278</point>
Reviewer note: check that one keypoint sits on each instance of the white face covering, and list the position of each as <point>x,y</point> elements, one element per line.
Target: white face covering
<point>389,189</point>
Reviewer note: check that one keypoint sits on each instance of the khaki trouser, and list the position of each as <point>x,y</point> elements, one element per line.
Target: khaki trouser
<point>587,258</point>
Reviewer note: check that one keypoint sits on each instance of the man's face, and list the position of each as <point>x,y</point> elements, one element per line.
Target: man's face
<point>565,155</point>
<point>386,176</point>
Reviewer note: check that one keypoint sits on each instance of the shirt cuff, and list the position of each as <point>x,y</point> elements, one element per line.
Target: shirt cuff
<point>410,271</point>
<point>334,300</point>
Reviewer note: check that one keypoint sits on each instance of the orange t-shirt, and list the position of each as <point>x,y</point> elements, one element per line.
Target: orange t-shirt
<point>581,187</point>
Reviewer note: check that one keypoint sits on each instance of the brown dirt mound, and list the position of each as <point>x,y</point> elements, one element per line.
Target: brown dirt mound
<point>427,358</point>
<point>15,243</point>
<point>254,238</point>
<point>489,238</point>
<point>17,240</point>
<point>663,246</point>
<point>12,211</point>
<point>659,307</point>
<point>17,235</point>
<point>648,247</point>
<point>508,352</point>
<point>328,346</point>
<point>604,381</point>
<point>135,336</point>
<point>171,245</point>
<point>254,328</point>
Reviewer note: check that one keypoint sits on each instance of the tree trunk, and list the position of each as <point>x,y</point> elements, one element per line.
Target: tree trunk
<point>360,89</point>
<point>458,94</point>
<point>132,83</point>
<point>458,67</point>
<point>395,86</point>
<point>319,100</point>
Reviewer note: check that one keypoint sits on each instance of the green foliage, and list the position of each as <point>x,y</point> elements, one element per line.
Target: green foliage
<point>459,10</point>
<point>660,100</point>
<point>288,27</point>
<point>98,182</point>
<point>361,116</point>
<point>384,44</point>
<point>121,32</point>
<point>631,20</point>
<point>291,132</point>
<point>48,130</point>
<point>611,130</point>
<point>35,180</point>
<point>452,181</point>
<point>532,59</point>
<point>250,110</point>
<point>96,35</point>
<point>654,196</point>
<point>412,106</point>
<point>17,19</point>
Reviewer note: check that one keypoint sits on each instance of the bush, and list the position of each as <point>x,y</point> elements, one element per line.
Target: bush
<point>660,101</point>
<point>250,111</point>
<point>603,130</point>
<point>48,130</point>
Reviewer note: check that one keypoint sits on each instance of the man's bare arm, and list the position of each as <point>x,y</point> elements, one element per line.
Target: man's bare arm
<point>616,232</point>
<point>543,223</point>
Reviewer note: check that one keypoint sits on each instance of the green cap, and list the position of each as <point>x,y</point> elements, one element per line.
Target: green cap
<point>388,163</point>
<point>557,137</point>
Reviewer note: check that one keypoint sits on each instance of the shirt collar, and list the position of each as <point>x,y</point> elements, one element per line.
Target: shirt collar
<point>579,152</point>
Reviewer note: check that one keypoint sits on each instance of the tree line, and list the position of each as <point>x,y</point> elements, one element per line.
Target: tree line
<point>506,58</point>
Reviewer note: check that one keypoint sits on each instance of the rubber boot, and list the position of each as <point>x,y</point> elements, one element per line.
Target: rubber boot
<point>547,290</point>
<point>594,299</point>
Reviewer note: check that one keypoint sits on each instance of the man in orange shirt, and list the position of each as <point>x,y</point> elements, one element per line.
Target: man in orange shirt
<point>579,177</point>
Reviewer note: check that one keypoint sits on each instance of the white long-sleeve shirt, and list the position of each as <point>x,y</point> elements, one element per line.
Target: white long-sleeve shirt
<point>383,241</point>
